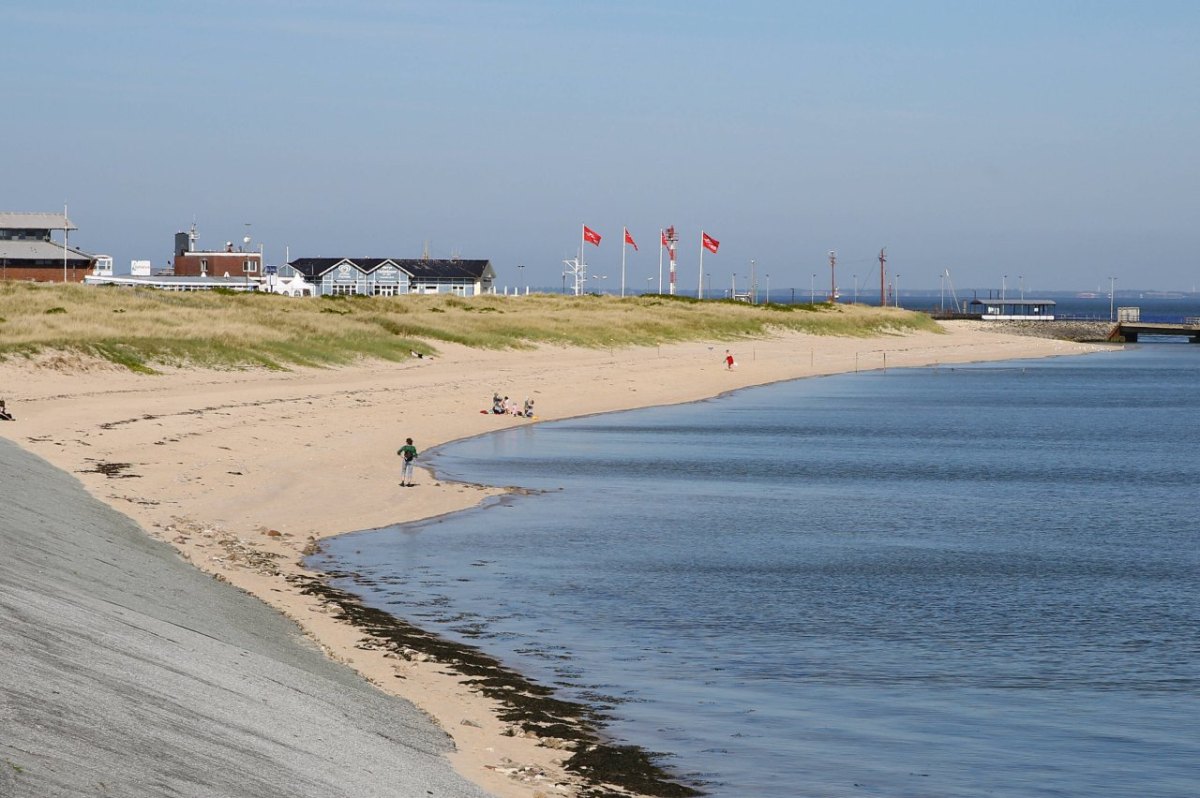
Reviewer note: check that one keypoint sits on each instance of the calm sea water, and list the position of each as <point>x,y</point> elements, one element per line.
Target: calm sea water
<point>971,581</point>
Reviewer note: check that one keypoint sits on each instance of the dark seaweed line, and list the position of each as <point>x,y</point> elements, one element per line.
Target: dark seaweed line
<point>608,770</point>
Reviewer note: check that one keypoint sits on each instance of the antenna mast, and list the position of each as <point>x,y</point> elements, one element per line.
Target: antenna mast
<point>882,278</point>
<point>577,269</point>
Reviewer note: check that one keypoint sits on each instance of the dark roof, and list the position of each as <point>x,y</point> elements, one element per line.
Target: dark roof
<point>1007,302</point>
<point>313,268</point>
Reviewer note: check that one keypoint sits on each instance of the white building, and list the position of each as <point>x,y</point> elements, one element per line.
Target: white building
<point>393,276</point>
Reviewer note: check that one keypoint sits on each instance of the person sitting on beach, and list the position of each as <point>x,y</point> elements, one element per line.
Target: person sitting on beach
<point>4,414</point>
<point>527,411</point>
<point>498,403</point>
<point>510,407</point>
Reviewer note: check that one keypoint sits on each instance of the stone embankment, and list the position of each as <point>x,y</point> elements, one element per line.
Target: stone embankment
<point>125,671</point>
<point>1064,330</point>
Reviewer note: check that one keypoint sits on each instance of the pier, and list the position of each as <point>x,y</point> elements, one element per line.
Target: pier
<point>1129,331</point>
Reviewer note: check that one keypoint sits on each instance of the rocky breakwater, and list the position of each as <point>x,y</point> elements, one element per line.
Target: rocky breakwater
<point>1091,331</point>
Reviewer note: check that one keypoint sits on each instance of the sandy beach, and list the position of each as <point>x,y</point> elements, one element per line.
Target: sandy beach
<point>243,472</point>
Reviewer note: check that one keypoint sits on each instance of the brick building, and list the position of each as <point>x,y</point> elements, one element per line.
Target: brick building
<point>227,262</point>
<point>27,251</point>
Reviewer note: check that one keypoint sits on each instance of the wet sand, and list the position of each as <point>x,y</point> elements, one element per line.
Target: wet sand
<point>244,472</point>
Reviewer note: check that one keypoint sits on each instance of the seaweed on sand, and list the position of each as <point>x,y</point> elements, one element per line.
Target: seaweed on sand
<point>608,770</point>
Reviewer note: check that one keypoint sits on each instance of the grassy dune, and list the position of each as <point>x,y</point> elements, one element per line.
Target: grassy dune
<point>145,328</point>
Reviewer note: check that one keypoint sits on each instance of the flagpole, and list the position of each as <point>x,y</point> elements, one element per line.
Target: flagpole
<point>624,235</point>
<point>700,290</point>
<point>661,234</point>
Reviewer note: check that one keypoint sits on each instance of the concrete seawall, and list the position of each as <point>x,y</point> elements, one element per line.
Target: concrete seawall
<point>124,671</point>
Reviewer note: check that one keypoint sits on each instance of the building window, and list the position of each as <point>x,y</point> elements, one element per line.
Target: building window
<point>343,289</point>
<point>250,266</point>
<point>385,290</point>
<point>203,265</point>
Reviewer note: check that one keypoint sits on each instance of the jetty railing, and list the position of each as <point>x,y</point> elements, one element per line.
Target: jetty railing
<point>1148,318</point>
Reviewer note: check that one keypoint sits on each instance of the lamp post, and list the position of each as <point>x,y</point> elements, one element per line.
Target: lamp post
<point>520,277</point>
<point>733,286</point>
<point>649,282</point>
<point>1021,283</point>
<point>855,288</point>
<point>812,290</point>
<point>708,280</point>
<point>1111,294</point>
<point>1004,288</point>
<point>245,247</point>
<point>66,241</point>
<point>896,288</point>
<point>767,296</point>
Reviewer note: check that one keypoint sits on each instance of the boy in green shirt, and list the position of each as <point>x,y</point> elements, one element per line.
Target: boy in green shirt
<point>407,453</point>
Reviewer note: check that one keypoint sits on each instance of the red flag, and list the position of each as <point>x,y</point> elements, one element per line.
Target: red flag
<point>664,238</point>
<point>710,243</point>
<point>629,240</point>
<point>591,236</point>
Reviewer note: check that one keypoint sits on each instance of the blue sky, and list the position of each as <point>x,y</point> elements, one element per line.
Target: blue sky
<point>1055,141</point>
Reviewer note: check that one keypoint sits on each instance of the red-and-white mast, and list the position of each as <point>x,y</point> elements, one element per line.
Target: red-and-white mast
<point>672,243</point>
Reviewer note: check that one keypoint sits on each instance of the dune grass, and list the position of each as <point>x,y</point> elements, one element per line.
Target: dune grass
<point>143,329</point>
